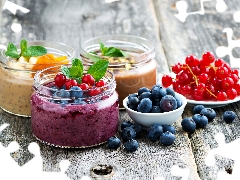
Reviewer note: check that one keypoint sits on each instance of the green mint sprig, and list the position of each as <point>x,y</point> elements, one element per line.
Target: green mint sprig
<point>111,51</point>
<point>26,51</point>
<point>97,70</point>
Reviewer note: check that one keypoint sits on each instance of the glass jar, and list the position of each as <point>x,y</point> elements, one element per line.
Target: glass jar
<point>70,121</point>
<point>137,70</point>
<point>16,78</point>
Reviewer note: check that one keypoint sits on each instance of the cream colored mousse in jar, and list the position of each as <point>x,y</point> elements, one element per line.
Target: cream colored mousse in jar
<point>75,106</point>
<point>18,65</point>
<point>131,59</point>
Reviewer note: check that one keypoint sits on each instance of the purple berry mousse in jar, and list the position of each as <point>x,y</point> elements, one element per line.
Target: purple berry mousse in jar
<point>68,121</point>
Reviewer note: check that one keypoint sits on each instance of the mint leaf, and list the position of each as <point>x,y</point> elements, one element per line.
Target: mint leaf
<point>111,51</point>
<point>23,45</point>
<point>93,57</point>
<point>34,51</point>
<point>98,69</point>
<point>12,51</point>
<point>74,72</point>
<point>65,71</point>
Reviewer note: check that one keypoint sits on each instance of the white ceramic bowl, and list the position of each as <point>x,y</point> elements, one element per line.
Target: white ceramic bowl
<point>148,119</point>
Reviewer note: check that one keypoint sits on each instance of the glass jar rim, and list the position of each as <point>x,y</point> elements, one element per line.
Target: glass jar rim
<point>144,44</point>
<point>41,87</point>
<point>51,46</point>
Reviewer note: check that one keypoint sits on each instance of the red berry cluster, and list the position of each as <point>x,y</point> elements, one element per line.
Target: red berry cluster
<point>88,83</point>
<point>204,79</point>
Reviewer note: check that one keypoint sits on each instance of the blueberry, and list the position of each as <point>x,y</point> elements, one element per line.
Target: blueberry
<point>169,128</point>
<point>143,89</point>
<point>179,103</point>
<point>62,93</point>
<point>167,138</point>
<point>158,92</point>
<point>157,85</point>
<point>155,132</point>
<point>132,95</point>
<point>145,95</point>
<point>131,145</point>
<point>54,89</point>
<point>209,112</point>
<point>145,105</point>
<point>188,125</point>
<point>137,128</point>
<point>133,101</point>
<point>128,133</point>
<point>156,109</point>
<point>76,92</point>
<point>200,120</point>
<point>125,124</point>
<point>229,116</point>
<point>197,109</point>
<point>170,91</point>
<point>168,103</point>
<point>113,142</point>
<point>133,107</point>
<point>79,101</point>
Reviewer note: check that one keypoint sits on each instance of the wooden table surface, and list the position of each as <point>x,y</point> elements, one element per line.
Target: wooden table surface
<point>71,22</point>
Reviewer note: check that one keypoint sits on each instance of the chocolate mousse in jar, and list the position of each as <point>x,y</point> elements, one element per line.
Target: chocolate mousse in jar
<point>17,69</point>
<point>131,59</point>
<point>71,117</point>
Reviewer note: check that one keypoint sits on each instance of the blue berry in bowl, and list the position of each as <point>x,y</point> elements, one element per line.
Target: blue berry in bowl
<point>158,92</point>
<point>128,133</point>
<point>200,120</point>
<point>188,125</point>
<point>209,112</point>
<point>145,95</point>
<point>167,138</point>
<point>131,145</point>
<point>169,128</point>
<point>179,103</point>
<point>137,128</point>
<point>132,95</point>
<point>156,109</point>
<point>197,109</point>
<point>133,100</point>
<point>155,132</point>
<point>125,124</point>
<point>229,116</point>
<point>113,142</point>
<point>168,103</point>
<point>170,91</point>
<point>145,105</point>
<point>143,89</point>
<point>76,92</point>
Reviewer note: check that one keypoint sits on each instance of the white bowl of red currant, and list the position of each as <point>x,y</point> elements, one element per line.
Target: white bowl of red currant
<point>209,81</point>
<point>157,105</point>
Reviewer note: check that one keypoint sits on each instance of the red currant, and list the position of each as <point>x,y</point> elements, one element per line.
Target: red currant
<point>221,72</point>
<point>218,62</point>
<point>94,91</point>
<point>60,80</point>
<point>88,79</point>
<point>208,58</point>
<point>192,60</point>
<point>197,95</point>
<point>231,93</point>
<point>237,87</point>
<point>166,80</point>
<point>83,86</point>
<point>227,83</point>
<point>221,96</point>
<point>70,83</point>
<point>203,78</point>
<point>176,68</point>
<point>100,83</point>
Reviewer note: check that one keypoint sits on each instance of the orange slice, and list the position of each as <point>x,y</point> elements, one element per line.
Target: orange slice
<point>49,60</point>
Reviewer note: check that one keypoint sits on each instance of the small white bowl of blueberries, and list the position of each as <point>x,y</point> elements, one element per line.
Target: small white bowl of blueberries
<point>157,105</point>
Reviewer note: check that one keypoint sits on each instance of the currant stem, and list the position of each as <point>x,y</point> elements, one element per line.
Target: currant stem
<point>194,76</point>
<point>211,93</point>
